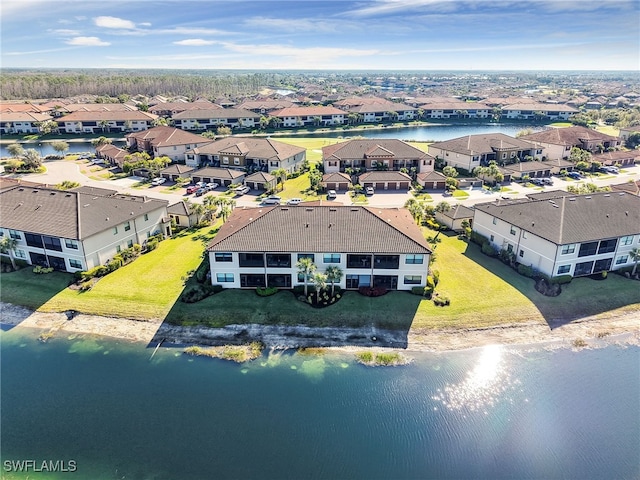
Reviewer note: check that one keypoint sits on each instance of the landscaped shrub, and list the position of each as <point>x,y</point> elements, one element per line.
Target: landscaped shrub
<point>417,291</point>
<point>372,291</point>
<point>152,244</point>
<point>562,279</point>
<point>431,282</point>
<point>266,291</point>
<point>203,270</point>
<point>478,239</point>
<point>441,301</point>
<point>99,271</point>
<point>40,270</point>
<point>489,250</point>
<point>436,277</point>
<point>196,293</point>
<point>526,270</point>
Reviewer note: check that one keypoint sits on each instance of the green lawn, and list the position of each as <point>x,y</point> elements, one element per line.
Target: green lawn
<point>460,194</point>
<point>144,289</point>
<point>312,145</point>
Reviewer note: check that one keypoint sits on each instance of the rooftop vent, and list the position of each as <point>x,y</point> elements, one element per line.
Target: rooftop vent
<point>355,210</point>
<point>588,197</point>
<point>572,199</point>
<point>333,209</point>
<point>606,195</point>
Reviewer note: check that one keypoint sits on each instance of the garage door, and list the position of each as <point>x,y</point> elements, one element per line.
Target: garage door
<point>379,186</point>
<point>404,185</point>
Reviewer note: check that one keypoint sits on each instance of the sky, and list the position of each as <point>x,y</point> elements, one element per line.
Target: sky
<point>322,35</point>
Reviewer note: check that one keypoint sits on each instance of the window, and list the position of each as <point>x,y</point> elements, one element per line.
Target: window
<point>583,268</point>
<point>509,248</point>
<point>622,259</point>
<point>412,279</point>
<point>386,261</point>
<point>236,161</point>
<point>608,246</point>
<point>51,243</point>
<point>564,269</point>
<point>127,226</point>
<point>307,255</point>
<point>146,217</point>
<point>20,254</point>
<point>118,248</point>
<point>492,238</point>
<point>331,258</point>
<point>71,244</point>
<point>14,234</point>
<point>74,263</point>
<point>130,244</point>
<point>495,221</point>
<point>279,260</point>
<point>224,277</point>
<point>626,240</point>
<point>504,155</point>
<point>512,231</point>
<point>414,259</point>
<point>251,260</point>
<point>224,257</point>
<point>521,253</point>
<point>358,261</point>
<point>225,160</point>
<point>115,230</point>
<point>567,249</point>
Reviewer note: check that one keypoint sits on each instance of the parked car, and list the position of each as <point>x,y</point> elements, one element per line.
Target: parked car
<point>200,184</point>
<point>201,191</point>
<point>294,201</point>
<point>271,200</point>
<point>547,181</point>
<point>331,194</point>
<point>574,175</point>
<point>369,190</point>
<point>211,186</point>
<point>536,181</point>
<point>610,169</point>
<point>191,189</point>
<point>242,190</point>
<point>158,181</point>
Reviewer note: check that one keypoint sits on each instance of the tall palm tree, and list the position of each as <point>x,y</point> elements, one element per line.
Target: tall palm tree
<point>320,282</point>
<point>306,268</point>
<point>7,246</point>
<point>225,211</point>
<point>281,176</point>
<point>333,274</point>
<point>198,210</point>
<point>635,256</point>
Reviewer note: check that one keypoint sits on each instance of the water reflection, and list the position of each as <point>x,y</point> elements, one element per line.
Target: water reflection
<point>488,383</point>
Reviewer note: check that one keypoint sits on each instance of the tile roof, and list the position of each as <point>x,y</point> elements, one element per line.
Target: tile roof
<point>572,218</point>
<point>612,157</point>
<point>336,177</point>
<point>183,106</point>
<point>162,136</point>
<point>533,166</point>
<point>307,111</point>
<point>542,107</point>
<point>483,143</point>
<point>223,113</point>
<point>265,104</point>
<point>24,117</point>
<point>340,229</point>
<point>568,136</point>
<point>215,172</point>
<point>458,211</point>
<point>98,107</point>
<point>69,214</point>
<point>262,148</point>
<point>177,169</point>
<point>432,176</point>
<point>360,149</point>
<point>83,116</point>
<point>20,107</point>
<point>178,208</point>
<point>260,177</point>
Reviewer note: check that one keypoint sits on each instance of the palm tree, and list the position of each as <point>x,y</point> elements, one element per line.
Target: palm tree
<point>306,268</point>
<point>104,125</point>
<point>225,211</point>
<point>7,246</point>
<point>281,176</point>
<point>635,256</point>
<point>198,209</point>
<point>320,282</point>
<point>333,274</point>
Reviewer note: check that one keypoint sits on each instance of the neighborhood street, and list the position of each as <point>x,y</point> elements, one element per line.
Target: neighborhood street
<point>59,171</point>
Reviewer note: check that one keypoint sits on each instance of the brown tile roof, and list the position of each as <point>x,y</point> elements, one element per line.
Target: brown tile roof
<point>532,166</point>
<point>307,111</point>
<point>572,219</point>
<point>263,148</point>
<point>200,114</point>
<point>361,149</point>
<point>455,105</point>
<point>631,187</point>
<point>267,105</point>
<point>183,106</point>
<point>483,143</point>
<point>542,107</point>
<point>260,177</point>
<point>83,116</point>
<point>609,158</point>
<point>336,177</point>
<point>111,151</point>
<point>567,136</point>
<point>384,176</point>
<point>340,229</point>
<point>69,214</point>
<point>432,176</point>
<point>458,211</point>
<point>162,136</point>
<point>177,169</point>
<point>99,107</point>
<point>20,107</point>
<point>23,117</point>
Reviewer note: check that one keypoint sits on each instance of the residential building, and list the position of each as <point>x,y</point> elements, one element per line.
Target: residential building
<point>454,217</point>
<point>376,247</point>
<point>169,109</point>
<point>564,234</point>
<point>622,158</point>
<point>558,142</point>
<point>175,171</point>
<point>252,154</point>
<point>112,154</point>
<point>181,214</point>
<point>364,155</point>
<point>75,230</point>
<point>478,150</point>
<point>455,109</point>
<point>165,142</point>
<point>625,132</point>
<point>538,111</point>
<point>376,110</point>
<point>105,121</point>
<point>532,169</point>
<point>22,122</point>
<point>265,107</point>
<point>309,116</point>
<point>385,180</point>
<point>211,119</point>
<point>432,180</point>
<point>336,181</point>
<point>261,181</point>
<point>221,176</point>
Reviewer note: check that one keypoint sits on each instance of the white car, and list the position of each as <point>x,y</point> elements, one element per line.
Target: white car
<point>331,194</point>
<point>368,190</point>
<point>242,190</point>
<point>158,181</point>
<point>294,201</point>
<point>211,186</point>
<point>271,200</point>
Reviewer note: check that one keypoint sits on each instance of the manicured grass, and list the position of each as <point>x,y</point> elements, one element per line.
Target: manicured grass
<point>312,145</point>
<point>146,288</point>
<point>30,290</point>
<point>298,187</point>
<point>460,194</point>
<point>608,130</point>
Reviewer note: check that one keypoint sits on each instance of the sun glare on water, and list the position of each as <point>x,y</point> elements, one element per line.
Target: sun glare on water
<point>485,385</point>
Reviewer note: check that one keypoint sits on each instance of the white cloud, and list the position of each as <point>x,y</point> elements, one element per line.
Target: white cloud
<point>298,25</point>
<point>87,42</point>
<point>64,32</point>
<point>194,42</point>
<point>145,24</point>
<point>114,22</point>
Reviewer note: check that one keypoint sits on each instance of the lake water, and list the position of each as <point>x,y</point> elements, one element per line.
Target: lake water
<point>422,133</point>
<point>484,413</point>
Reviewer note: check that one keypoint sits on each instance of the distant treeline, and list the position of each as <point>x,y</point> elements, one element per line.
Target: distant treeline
<point>19,85</point>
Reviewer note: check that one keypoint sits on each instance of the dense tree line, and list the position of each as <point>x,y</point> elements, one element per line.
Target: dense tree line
<point>16,85</point>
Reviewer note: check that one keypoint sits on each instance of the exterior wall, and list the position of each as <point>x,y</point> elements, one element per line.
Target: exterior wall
<point>175,152</point>
<point>234,269</point>
<point>554,152</point>
<point>457,160</point>
<point>20,127</point>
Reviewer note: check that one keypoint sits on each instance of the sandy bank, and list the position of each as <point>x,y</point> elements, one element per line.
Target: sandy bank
<point>613,324</point>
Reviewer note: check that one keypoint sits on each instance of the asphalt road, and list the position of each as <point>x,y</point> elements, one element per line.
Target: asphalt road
<point>59,171</point>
